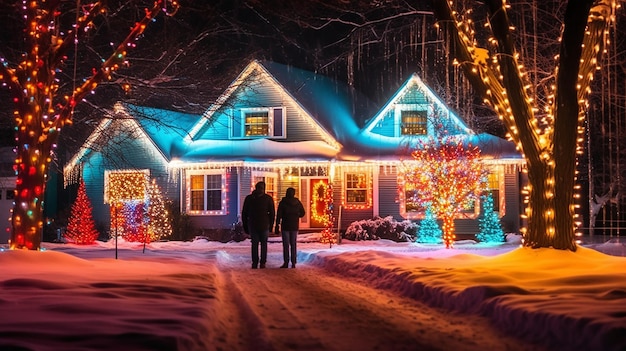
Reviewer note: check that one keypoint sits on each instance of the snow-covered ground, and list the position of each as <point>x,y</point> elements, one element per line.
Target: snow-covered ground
<point>375,295</point>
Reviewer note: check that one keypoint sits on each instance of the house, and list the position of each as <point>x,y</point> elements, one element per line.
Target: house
<point>7,191</point>
<point>289,128</point>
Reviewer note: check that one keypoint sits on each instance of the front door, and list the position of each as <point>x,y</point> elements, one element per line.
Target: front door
<point>321,199</point>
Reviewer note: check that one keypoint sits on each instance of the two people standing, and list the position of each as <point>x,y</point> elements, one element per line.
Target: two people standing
<point>258,215</point>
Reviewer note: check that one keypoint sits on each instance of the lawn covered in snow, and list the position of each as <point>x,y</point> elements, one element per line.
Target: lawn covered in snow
<point>169,297</point>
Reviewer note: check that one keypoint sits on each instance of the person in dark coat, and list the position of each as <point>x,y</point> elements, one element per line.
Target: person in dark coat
<point>288,215</point>
<point>257,216</point>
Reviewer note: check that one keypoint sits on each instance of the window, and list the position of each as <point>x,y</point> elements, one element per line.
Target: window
<point>413,122</point>
<point>256,123</point>
<point>206,193</point>
<point>259,122</point>
<point>270,183</point>
<point>411,197</point>
<point>493,181</point>
<point>356,188</point>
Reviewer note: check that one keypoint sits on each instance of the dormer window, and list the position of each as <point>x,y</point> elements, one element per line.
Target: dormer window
<point>256,123</point>
<point>259,122</point>
<point>413,122</point>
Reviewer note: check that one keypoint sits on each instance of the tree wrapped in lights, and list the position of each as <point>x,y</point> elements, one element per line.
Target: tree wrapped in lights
<point>489,222</point>
<point>323,196</point>
<point>448,178</point>
<point>40,113</point>
<point>80,227</point>
<point>159,225</point>
<point>549,136</point>
<point>429,231</point>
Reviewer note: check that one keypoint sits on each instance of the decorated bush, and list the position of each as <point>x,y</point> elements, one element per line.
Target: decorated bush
<point>382,228</point>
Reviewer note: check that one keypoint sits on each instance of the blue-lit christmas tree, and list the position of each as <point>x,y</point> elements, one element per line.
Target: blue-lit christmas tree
<point>489,223</point>
<point>429,231</point>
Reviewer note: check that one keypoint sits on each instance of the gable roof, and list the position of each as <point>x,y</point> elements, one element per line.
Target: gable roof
<point>163,129</point>
<point>414,81</point>
<point>328,104</point>
<point>166,129</point>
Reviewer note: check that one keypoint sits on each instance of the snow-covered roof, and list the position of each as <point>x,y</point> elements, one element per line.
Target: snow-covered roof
<point>162,128</point>
<point>166,129</point>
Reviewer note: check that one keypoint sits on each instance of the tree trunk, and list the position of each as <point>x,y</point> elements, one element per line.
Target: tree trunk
<point>448,230</point>
<point>39,117</point>
<point>27,218</point>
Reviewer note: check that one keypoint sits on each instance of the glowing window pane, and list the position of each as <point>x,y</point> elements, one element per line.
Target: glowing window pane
<point>493,181</point>
<point>413,123</point>
<point>356,188</point>
<point>270,184</point>
<point>257,123</point>
<point>206,192</point>
<point>411,203</point>
<point>214,192</point>
<point>197,192</point>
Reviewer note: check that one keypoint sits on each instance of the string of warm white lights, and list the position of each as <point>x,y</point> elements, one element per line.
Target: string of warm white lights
<point>549,141</point>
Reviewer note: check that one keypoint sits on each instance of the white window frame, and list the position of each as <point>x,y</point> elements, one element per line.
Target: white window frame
<point>271,133</point>
<point>205,211</point>
<point>265,175</point>
<point>368,189</point>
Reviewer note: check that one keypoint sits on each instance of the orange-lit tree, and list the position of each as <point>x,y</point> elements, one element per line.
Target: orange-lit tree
<point>549,132</point>
<point>40,112</point>
<point>81,228</point>
<point>448,178</point>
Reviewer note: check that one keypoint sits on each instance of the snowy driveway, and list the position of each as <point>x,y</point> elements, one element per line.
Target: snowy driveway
<point>308,309</point>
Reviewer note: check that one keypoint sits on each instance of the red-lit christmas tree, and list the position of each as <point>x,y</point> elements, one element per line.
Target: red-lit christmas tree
<point>448,178</point>
<point>81,228</point>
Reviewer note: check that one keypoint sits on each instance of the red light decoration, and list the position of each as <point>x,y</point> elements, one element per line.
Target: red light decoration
<point>322,210</point>
<point>81,228</point>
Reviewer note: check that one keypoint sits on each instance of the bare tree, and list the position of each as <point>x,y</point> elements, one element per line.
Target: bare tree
<point>40,112</point>
<point>550,142</point>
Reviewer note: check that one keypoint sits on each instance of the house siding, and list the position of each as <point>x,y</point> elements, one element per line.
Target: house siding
<point>386,126</point>
<point>126,152</point>
<point>388,193</point>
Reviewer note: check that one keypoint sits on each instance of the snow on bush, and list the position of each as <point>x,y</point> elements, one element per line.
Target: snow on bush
<point>382,228</point>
